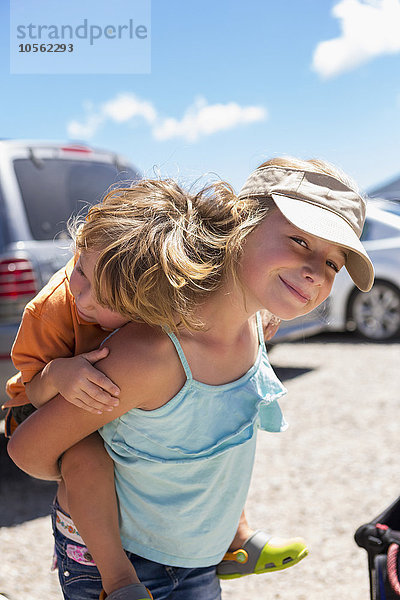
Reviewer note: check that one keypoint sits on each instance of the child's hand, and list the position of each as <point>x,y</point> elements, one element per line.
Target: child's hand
<point>79,382</point>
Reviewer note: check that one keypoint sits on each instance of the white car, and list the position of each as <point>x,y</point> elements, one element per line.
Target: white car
<point>375,315</point>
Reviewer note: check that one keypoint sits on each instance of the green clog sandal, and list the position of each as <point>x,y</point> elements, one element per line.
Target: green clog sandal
<point>262,553</point>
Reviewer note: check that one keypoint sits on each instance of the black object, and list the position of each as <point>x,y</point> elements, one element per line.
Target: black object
<point>381,539</point>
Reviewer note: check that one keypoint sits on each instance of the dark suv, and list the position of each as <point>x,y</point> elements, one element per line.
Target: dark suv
<point>41,185</point>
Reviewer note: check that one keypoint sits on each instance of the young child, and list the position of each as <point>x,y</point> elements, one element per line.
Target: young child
<point>54,352</point>
<point>55,348</point>
<point>195,382</point>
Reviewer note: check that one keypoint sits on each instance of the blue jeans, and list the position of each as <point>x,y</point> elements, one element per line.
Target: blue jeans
<point>81,581</point>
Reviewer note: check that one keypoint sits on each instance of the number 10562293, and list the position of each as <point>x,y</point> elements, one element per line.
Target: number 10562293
<point>45,48</point>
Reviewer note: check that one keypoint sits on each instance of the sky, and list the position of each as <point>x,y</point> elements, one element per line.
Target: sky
<point>230,84</point>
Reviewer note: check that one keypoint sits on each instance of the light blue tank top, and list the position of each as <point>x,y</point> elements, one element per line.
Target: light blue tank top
<point>182,471</point>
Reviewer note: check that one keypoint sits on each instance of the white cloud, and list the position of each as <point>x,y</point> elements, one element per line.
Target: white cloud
<point>120,109</point>
<point>199,120</point>
<point>204,119</point>
<point>369,28</point>
<point>126,106</point>
<point>87,129</point>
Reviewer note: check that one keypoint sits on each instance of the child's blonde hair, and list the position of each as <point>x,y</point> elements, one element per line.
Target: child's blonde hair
<point>162,249</point>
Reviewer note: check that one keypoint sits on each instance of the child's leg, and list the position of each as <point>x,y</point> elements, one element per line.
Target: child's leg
<point>243,533</point>
<point>88,473</point>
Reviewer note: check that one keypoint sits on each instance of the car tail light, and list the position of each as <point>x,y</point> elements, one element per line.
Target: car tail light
<point>77,148</point>
<point>17,279</point>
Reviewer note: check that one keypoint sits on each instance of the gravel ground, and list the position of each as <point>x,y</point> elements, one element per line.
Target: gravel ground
<point>330,472</point>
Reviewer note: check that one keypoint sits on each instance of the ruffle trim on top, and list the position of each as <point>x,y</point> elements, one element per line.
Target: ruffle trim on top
<point>267,417</point>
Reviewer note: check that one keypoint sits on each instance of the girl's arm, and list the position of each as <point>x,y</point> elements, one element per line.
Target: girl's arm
<point>148,373</point>
<point>38,443</point>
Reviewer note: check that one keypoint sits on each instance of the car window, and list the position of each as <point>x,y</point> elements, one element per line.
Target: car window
<point>374,230</point>
<point>54,189</point>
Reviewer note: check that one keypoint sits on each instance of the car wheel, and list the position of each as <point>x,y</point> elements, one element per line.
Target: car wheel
<point>375,315</point>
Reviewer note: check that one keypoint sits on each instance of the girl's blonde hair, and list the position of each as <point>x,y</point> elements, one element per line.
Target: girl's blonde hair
<point>162,249</point>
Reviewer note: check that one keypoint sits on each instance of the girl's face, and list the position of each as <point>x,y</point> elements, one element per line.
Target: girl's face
<point>287,271</point>
<point>81,287</point>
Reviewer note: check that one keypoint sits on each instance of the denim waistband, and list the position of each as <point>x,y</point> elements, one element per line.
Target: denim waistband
<point>65,524</point>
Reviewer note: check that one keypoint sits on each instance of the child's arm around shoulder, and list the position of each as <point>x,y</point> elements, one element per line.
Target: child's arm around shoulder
<point>143,364</point>
<point>77,380</point>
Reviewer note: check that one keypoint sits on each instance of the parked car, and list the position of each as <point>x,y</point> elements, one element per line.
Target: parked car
<point>375,315</point>
<point>41,185</point>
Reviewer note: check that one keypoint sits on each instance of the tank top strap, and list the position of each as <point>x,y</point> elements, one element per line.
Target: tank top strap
<point>109,335</point>
<point>182,356</point>
<point>180,352</point>
<point>260,329</point>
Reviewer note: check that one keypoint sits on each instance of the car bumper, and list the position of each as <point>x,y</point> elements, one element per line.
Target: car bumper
<point>7,369</point>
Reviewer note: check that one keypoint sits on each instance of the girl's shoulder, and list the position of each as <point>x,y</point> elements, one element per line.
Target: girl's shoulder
<point>144,364</point>
<point>139,341</point>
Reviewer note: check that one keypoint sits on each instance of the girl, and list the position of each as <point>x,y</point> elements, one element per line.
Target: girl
<point>53,350</point>
<point>195,382</point>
